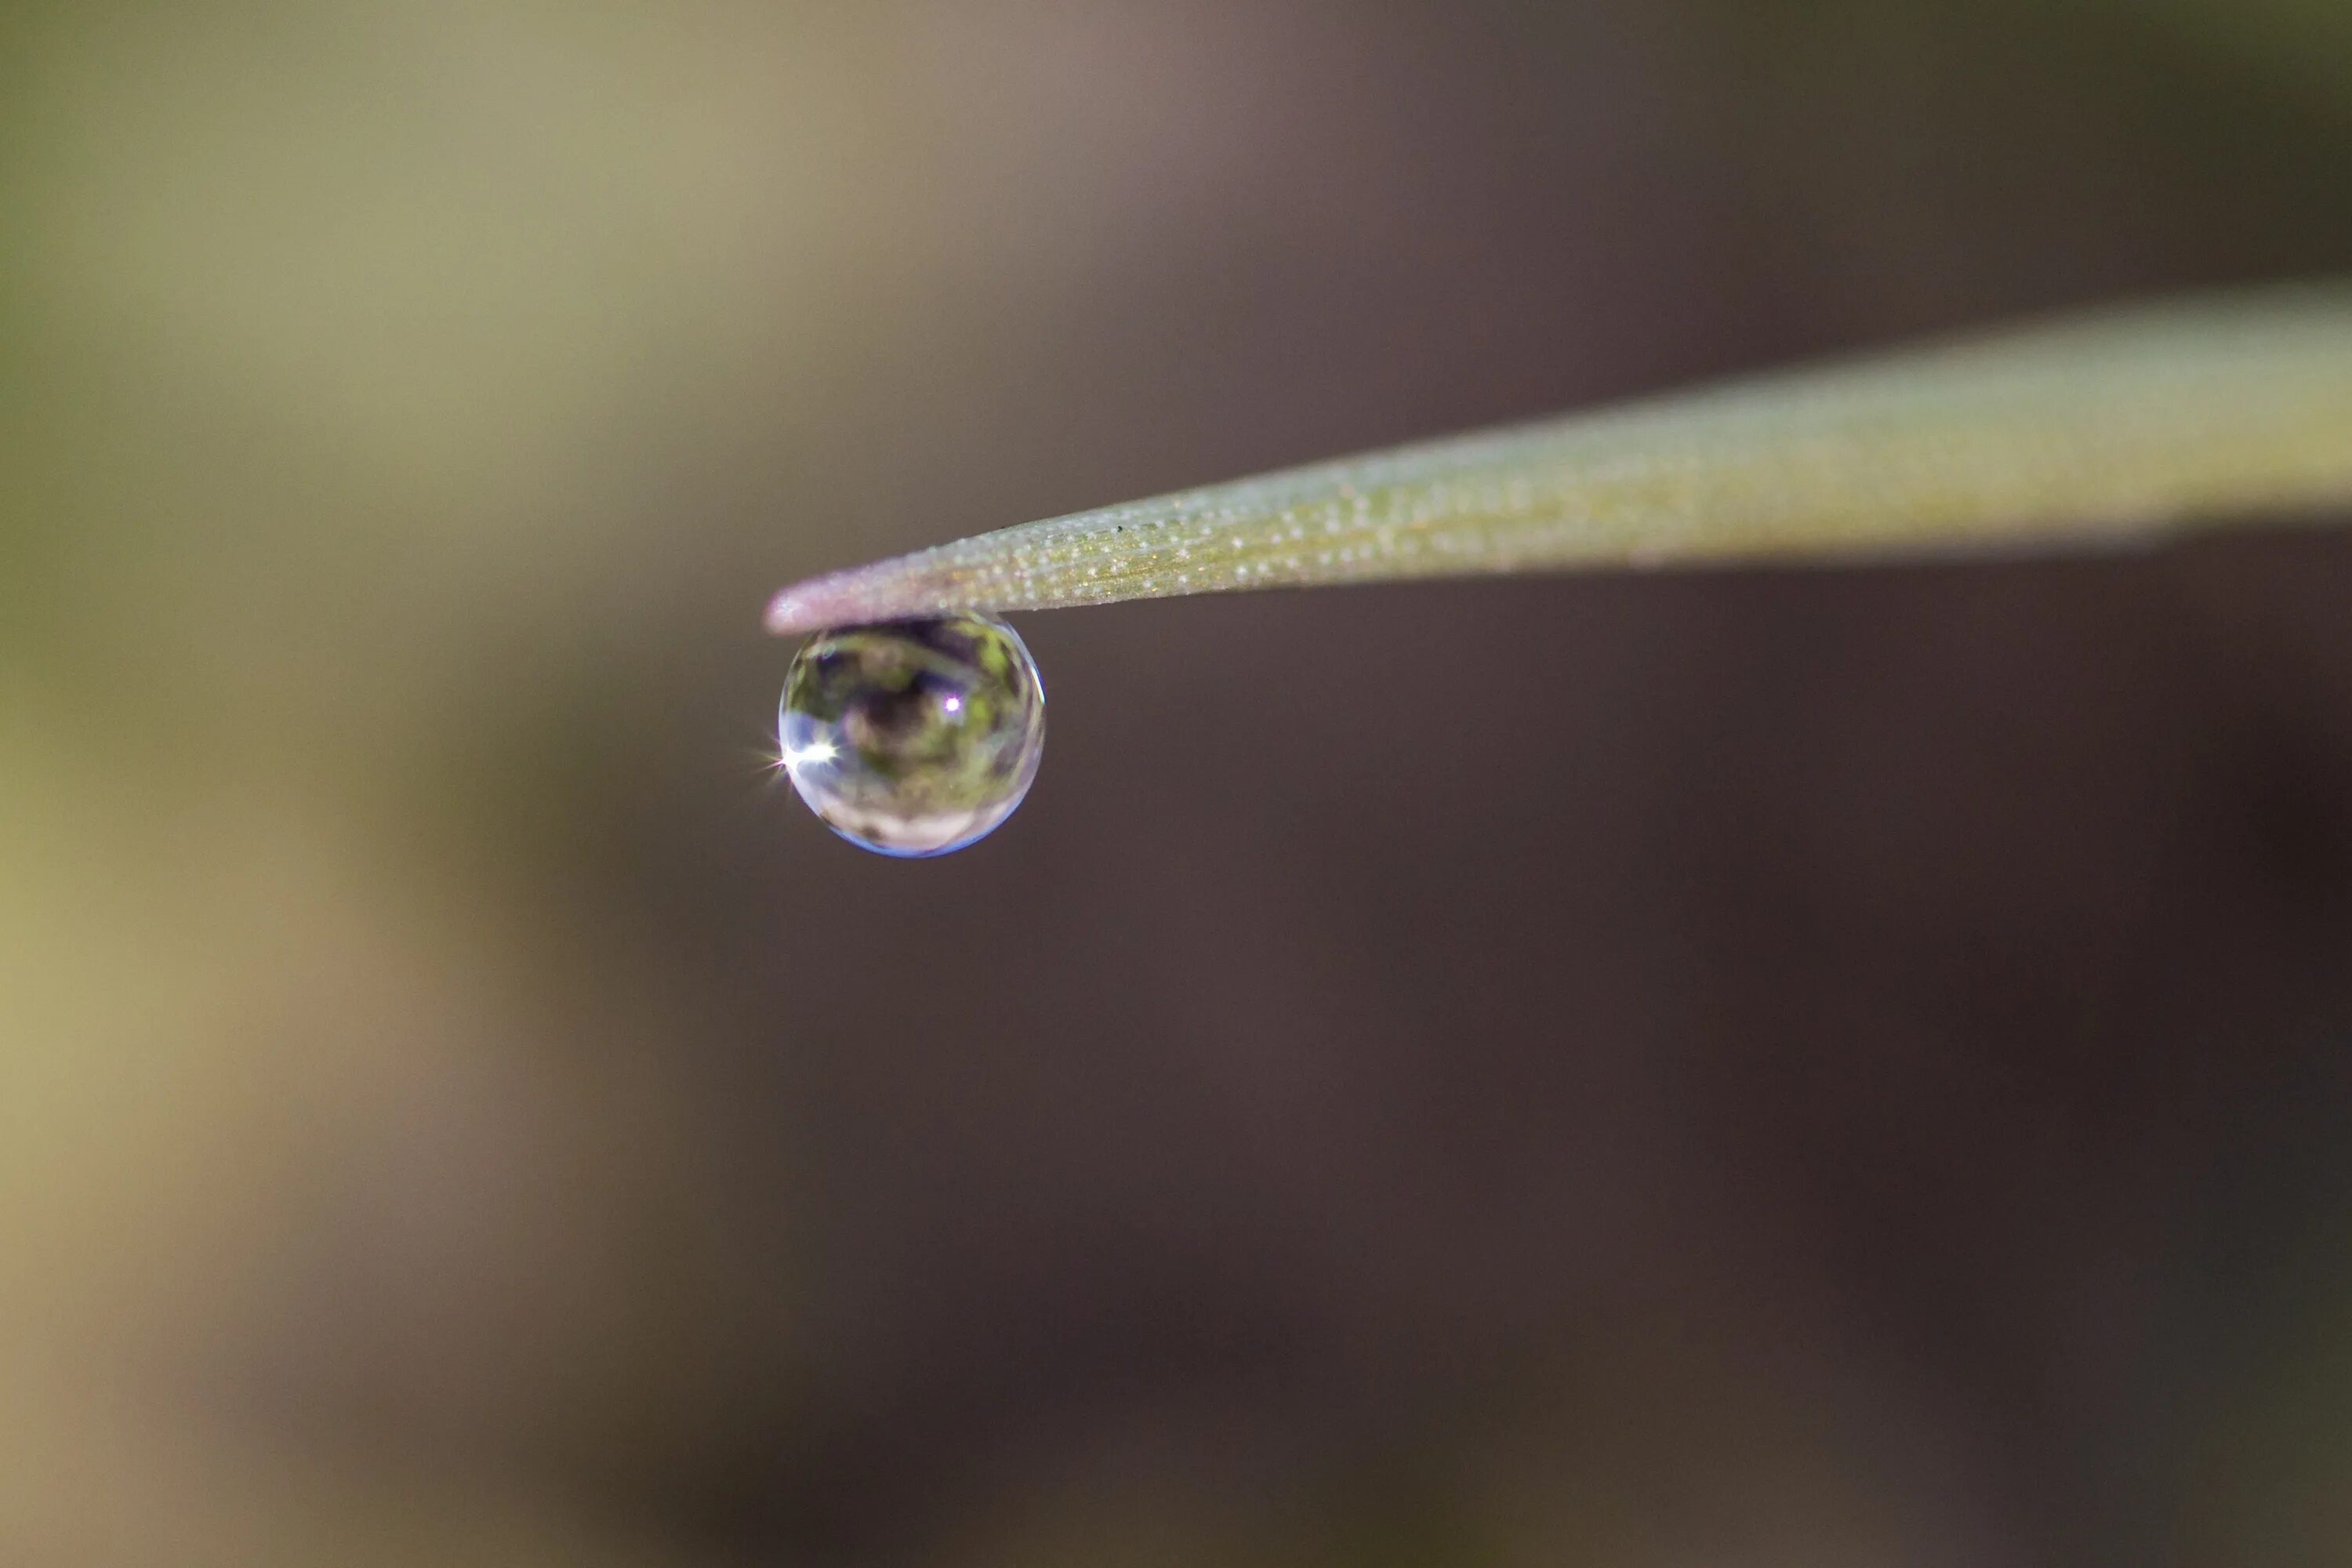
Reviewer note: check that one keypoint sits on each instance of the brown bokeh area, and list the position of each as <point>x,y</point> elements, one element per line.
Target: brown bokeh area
<point>1746,1068</point>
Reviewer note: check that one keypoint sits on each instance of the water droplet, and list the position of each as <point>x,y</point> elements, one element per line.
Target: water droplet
<point>913,738</point>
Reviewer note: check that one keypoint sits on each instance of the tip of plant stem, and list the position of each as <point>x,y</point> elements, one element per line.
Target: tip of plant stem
<point>902,588</point>
<point>811,605</point>
<point>788,613</point>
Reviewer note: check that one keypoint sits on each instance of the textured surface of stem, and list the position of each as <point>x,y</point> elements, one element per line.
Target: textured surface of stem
<point>2119,424</point>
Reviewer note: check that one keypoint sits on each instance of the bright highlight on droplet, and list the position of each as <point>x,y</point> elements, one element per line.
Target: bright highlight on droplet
<point>913,738</point>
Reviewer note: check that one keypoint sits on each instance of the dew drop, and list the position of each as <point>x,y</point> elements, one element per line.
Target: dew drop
<point>913,738</point>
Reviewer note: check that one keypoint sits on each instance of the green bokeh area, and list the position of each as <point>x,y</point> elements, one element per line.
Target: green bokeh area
<point>454,1108</point>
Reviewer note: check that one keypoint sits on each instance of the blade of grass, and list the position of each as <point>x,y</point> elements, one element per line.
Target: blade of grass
<point>2074,434</point>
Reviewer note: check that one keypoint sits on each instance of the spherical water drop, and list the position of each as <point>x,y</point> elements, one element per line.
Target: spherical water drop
<point>913,738</point>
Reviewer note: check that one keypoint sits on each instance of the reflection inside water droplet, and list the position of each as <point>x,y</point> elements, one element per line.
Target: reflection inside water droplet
<point>913,738</point>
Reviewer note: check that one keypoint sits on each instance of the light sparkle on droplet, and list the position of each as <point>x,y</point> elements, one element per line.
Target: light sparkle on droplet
<point>913,738</point>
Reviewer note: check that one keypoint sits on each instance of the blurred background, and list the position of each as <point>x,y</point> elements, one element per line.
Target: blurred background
<point>1743,1068</point>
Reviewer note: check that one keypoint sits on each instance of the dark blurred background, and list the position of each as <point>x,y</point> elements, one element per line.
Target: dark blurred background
<point>1735,1069</point>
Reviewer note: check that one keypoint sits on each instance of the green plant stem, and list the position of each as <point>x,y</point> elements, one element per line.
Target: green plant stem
<point>2108,427</point>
